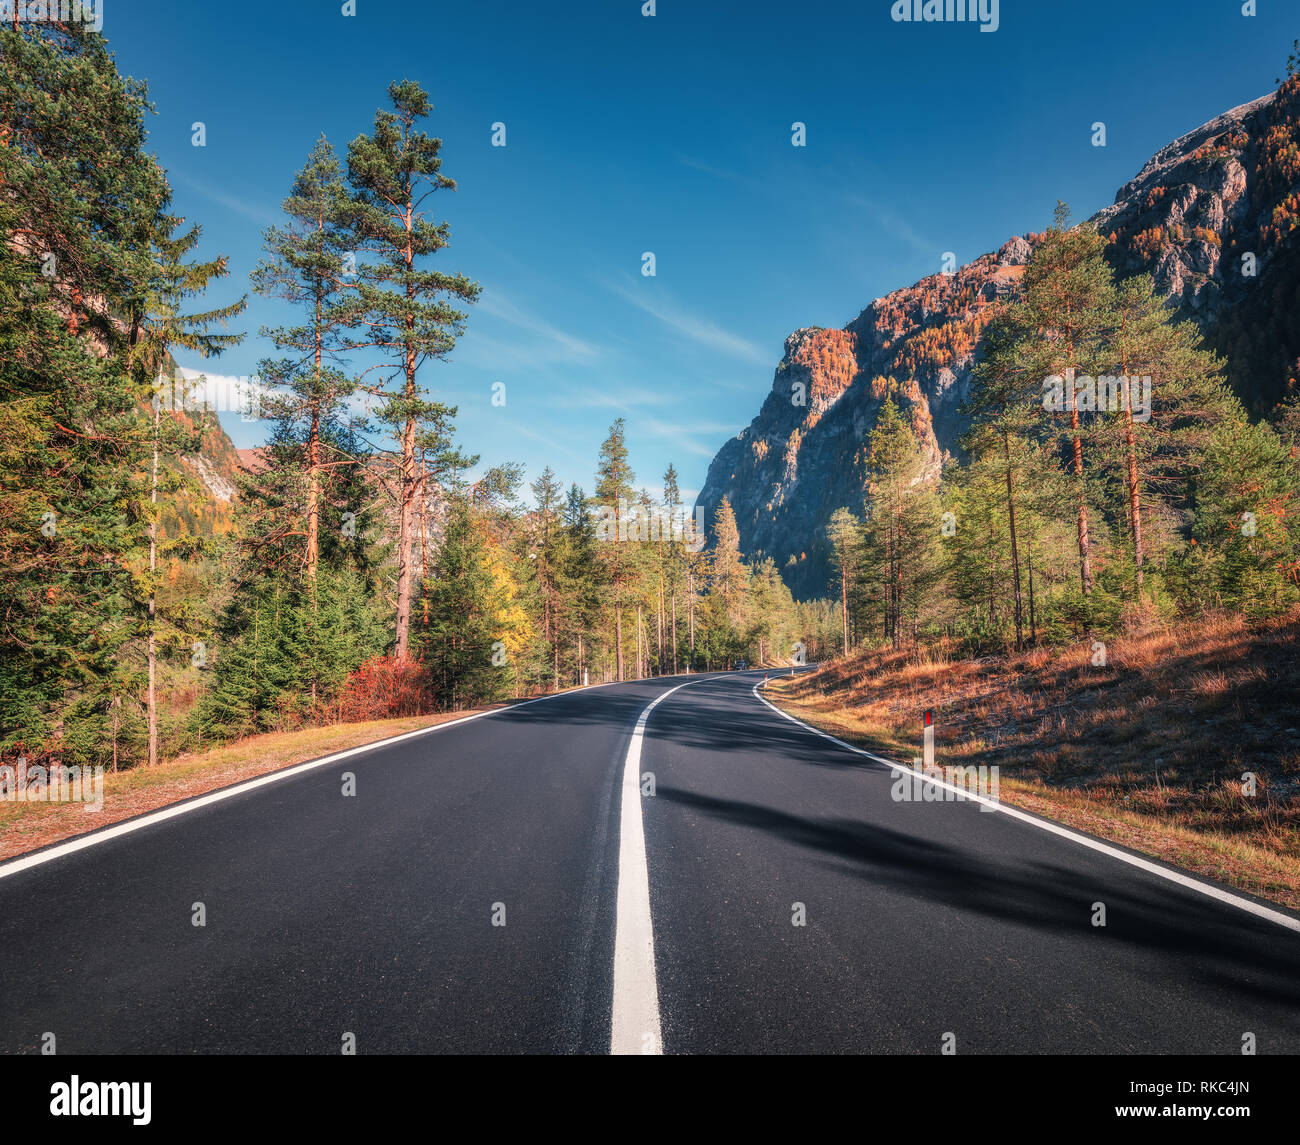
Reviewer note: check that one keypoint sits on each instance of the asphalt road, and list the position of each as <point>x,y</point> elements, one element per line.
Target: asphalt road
<point>373,915</point>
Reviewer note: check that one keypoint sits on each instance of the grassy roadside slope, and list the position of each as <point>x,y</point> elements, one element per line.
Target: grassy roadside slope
<point>1147,749</point>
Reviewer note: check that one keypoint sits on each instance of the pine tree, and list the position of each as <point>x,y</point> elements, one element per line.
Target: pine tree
<point>1155,448</point>
<point>408,312</point>
<point>305,267</point>
<point>1062,316</point>
<point>1004,421</point>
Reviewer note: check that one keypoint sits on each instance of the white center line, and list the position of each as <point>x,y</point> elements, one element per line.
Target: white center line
<point>634,1021</point>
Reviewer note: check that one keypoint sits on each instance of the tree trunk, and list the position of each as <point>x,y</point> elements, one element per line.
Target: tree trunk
<point>406,527</point>
<point>1029,554</point>
<point>618,633</point>
<point>1085,557</point>
<point>405,538</point>
<point>153,566</point>
<point>1015,550</point>
<point>659,616</point>
<point>313,460</point>
<point>1134,495</point>
<point>674,632</point>
<point>844,601</point>
<point>692,608</point>
<point>639,672</point>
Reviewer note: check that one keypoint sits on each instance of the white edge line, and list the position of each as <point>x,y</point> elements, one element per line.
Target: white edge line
<point>94,838</point>
<point>1064,832</point>
<point>634,1008</point>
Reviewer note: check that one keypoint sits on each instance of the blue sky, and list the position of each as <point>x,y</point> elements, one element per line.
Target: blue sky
<point>672,134</point>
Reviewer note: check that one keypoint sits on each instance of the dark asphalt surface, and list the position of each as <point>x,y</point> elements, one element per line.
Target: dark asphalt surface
<point>373,914</point>
<point>923,919</point>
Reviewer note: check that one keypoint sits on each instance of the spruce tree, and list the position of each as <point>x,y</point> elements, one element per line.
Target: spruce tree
<point>902,528</point>
<point>156,323</point>
<point>547,492</point>
<point>614,496</point>
<point>577,577</point>
<point>728,571</point>
<point>845,533</point>
<point>462,646</point>
<point>95,282</point>
<point>673,563</point>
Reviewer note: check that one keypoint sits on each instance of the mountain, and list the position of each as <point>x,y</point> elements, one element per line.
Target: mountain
<point>1211,216</point>
<point>206,505</point>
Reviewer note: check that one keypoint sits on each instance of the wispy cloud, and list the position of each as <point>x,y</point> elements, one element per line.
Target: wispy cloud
<point>683,434</point>
<point>891,223</point>
<point>623,399</point>
<point>735,387</point>
<point>497,305</point>
<point>254,211</point>
<point>689,325</point>
<point>549,440</point>
<point>719,172</point>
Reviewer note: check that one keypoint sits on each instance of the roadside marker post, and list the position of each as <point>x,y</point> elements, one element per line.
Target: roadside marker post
<point>929,739</point>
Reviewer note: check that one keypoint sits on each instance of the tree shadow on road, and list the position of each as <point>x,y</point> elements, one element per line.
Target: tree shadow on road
<point>1219,944</point>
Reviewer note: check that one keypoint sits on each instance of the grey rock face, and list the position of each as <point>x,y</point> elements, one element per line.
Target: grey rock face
<point>1185,217</point>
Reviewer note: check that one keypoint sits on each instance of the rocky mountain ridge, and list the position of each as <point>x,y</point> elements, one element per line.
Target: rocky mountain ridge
<point>1211,216</point>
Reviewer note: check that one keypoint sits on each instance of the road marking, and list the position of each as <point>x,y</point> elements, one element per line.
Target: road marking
<point>1064,832</point>
<point>26,862</point>
<point>634,1019</point>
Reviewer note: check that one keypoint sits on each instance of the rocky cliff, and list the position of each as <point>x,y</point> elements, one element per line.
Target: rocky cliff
<point>1211,216</point>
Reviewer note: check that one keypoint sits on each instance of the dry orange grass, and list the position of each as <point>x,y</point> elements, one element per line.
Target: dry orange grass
<point>1148,747</point>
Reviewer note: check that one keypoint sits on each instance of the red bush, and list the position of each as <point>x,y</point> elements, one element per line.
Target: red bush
<point>382,688</point>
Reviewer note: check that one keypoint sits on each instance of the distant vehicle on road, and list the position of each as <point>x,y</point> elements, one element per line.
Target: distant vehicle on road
<point>739,666</point>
